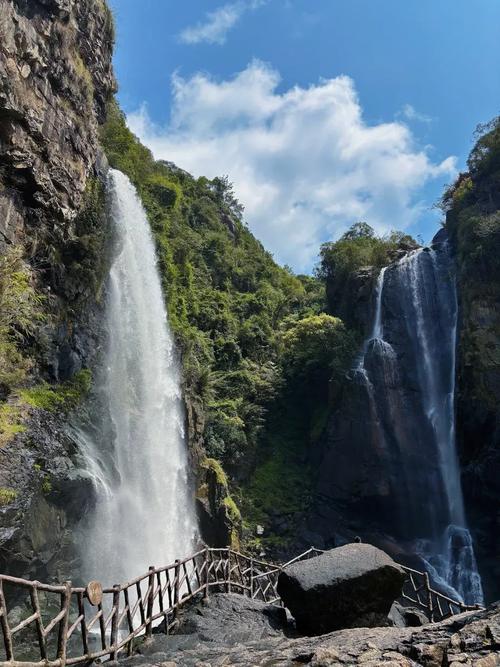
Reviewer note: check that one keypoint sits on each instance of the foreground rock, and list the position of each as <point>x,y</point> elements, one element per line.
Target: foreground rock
<point>471,639</point>
<point>406,617</point>
<point>231,618</point>
<point>352,586</point>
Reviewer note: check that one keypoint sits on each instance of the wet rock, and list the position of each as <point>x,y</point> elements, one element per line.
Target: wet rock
<point>406,617</point>
<point>226,618</point>
<point>350,586</point>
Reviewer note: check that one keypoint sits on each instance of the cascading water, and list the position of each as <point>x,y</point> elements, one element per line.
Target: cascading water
<point>136,452</point>
<point>408,369</point>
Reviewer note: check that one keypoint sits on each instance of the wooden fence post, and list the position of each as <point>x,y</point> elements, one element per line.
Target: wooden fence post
<point>62,640</point>
<point>177,575</point>
<point>35,603</point>
<point>7,636</point>
<point>206,592</point>
<point>429,596</point>
<point>251,578</point>
<point>151,599</point>
<point>83,624</point>
<point>114,622</point>
<point>228,584</point>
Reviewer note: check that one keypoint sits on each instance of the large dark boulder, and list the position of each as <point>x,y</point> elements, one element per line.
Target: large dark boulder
<point>351,586</point>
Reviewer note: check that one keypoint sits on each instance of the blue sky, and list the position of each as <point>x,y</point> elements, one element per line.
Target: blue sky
<point>322,112</point>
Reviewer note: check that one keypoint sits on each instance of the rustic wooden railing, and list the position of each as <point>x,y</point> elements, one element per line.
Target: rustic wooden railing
<point>66,625</point>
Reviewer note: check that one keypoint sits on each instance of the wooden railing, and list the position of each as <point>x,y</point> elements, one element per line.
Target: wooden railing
<point>66,625</point>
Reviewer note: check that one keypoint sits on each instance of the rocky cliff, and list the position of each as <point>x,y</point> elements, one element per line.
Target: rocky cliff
<point>376,468</point>
<point>472,206</point>
<point>55,79</point>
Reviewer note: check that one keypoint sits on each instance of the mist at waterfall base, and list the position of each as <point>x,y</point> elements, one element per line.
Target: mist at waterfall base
<point>134,446</point>
<point>407,367</point>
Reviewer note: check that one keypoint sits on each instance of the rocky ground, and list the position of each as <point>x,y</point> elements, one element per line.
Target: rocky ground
<point>231,630</point>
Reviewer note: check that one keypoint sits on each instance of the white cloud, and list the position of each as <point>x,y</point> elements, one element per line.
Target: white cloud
<point>304,161</point>
<point>218,23</point>
<point>410,113</point>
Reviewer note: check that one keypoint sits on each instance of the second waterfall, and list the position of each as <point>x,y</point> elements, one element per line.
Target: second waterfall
<point>408,370</point>
<point>135,449</point>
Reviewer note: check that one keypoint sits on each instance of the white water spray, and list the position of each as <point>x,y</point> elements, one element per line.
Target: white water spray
<point>144,513</point>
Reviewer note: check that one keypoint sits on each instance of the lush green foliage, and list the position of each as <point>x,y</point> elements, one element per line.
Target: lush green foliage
<point>226,295</point>
<point>316,347</point>
<point>358,247</point>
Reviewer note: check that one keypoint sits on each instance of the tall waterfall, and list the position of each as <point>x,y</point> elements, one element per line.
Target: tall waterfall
<point>408,369</point>
<point>136,451</point>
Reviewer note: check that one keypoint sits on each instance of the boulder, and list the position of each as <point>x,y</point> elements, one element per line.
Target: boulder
<point>406,617</point>
<point>351,586</point>
<point>227,618</point>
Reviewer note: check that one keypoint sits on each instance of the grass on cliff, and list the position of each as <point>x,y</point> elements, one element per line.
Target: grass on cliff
<point>62,397</point>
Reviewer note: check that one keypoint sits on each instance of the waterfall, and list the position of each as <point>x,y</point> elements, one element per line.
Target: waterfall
<point>408,369</point>
<point>135,450</point>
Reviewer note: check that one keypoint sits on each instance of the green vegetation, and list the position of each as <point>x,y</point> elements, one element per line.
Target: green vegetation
<point>46,485</point>
<point>222,498</point>
<point>279,490</point>
<point>11,421</point>
<point>60,397</point>
<point>226,296</point>
<point>78,271</point>
<point>472,206</point>
<point>217,469</point>
<point>21,313</point>
<point>316,348</point>
<point>7,496</point>
<point>360,246</point>
<point>261,359</point>
<point>63,396</point>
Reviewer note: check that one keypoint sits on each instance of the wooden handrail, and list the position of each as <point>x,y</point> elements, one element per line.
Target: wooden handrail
<point>126,611</point>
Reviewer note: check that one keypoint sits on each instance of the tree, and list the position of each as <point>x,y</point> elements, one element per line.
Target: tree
<point>317,346</point>
<point>359,230</point>
<point>223,190</point>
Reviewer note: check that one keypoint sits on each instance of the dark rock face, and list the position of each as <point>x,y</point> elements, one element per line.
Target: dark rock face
<point>478,415</point>
<point>55,78</point>
<point>351,586</point>
<point>385,431</point>
<point>352,300</point>
<point>51,496</point>
<point>469,639</point>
